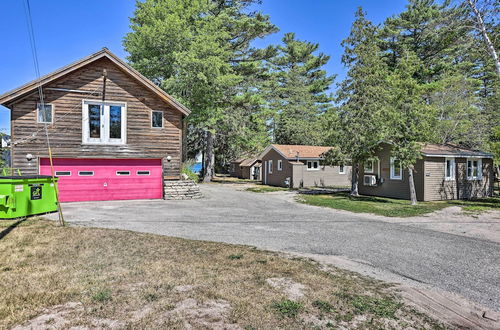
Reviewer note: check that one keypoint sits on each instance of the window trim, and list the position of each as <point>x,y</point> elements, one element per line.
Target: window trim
<point>58,175</point>
<point>142,174</point>
<point>452,162</point>
<point>342,169</point>
<point>312,166</point>
<point>86,174</point>
<point>372,171</point>
<point>270,166</point>
<point>280,165</point>
<point>162,119</point>
<point>392,168</point>
<point>51,114</point>
<point>128,173</point>
<point>106,140</point>
<point>479,168</point>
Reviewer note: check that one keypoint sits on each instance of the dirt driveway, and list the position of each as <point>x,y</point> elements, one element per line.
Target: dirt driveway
<point>394,250</point>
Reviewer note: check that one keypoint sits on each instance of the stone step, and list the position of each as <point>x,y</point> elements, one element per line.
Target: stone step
<point>178,190</point>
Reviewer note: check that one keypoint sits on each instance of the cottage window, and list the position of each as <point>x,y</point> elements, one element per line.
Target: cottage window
<point>157,119</point>
<point>312,165</point>
<point>45,113</point>
<point>474,169</point>
<point>280,165</point>
<point>449,169</point>
<point>396,169</point>
<point>104,123</point>
<point>369,166</point>
<point>270,166</point>
<point>341,169</point>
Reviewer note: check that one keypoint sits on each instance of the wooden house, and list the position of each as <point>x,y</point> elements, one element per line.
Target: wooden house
<point>114,134</point>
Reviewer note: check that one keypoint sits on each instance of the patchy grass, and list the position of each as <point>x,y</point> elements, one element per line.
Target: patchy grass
<point>367,204</point>
<point>266,189</point>
<point>478,205</point>
<point>101,278</point>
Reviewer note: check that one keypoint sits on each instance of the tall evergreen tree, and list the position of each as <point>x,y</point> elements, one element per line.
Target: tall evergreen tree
<point>298,93</point>
<point>196,49</point>
<point>359,123</point>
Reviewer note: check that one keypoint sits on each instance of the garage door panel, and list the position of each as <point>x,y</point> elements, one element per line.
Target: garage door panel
<point>106,179</point>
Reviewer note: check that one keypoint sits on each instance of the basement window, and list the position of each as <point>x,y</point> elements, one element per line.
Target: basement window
<point>44,114</point>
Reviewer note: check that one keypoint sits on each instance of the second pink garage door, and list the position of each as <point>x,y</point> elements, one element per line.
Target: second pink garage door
<point>106,179</point>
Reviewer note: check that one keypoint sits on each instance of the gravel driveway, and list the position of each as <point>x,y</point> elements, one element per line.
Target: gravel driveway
<point>464,265</point>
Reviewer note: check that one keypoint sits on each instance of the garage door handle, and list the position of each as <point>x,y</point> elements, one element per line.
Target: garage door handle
<point>105,184</point>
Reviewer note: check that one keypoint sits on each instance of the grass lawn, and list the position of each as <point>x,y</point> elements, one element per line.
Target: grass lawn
<point>84,277</point>
<point>368,204</point>
<point>265,189</point>
<point>391,207</point>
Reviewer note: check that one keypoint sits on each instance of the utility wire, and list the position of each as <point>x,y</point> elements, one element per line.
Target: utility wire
<point>34,54</point>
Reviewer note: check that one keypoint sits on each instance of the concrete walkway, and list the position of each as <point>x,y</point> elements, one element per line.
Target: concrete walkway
<point>464,265</point>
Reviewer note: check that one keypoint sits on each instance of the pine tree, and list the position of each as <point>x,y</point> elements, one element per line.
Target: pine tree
<point>195,50</point>
<point>358,125</point>
<point>298,92</point>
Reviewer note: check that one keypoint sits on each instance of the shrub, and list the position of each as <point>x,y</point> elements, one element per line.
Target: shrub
<point>288,308</point>
<point>186,169</point>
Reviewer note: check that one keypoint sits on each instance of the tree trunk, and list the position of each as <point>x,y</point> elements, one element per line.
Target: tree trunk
<point>413,192</point>
<point>354,180</point>
<point>209,158</point>
<point>484,32</point>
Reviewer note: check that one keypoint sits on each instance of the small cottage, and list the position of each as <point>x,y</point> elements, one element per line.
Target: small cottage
<point>246,168</point>
<point>299,166</point>
<point>444,172</point>
<point>114,133</point>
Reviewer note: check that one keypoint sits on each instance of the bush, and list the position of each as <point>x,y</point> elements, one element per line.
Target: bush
<point>186,169</point>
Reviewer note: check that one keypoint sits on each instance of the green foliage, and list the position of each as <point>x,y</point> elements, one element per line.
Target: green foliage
<point>265,189</point>
<point>187,170</point>
<point>288,308</point>
<point>298,92</point>
<point>102,295</point>
<point>235,256</point>
<point>323,306</point>
<point>382,307</point>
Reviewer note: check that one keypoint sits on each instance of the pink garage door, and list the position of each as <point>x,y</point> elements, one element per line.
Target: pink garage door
<point>106,179</point>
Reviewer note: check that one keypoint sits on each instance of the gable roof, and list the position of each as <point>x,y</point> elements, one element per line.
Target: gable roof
<point>25,89</point>
<point>289,151</point>
<point>249,161</point>
<point>442,150</point>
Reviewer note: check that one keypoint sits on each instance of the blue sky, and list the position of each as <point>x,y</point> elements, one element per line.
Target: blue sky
<point>68,30</point>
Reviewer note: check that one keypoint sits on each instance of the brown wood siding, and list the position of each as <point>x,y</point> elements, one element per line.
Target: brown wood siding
<point>390,187</point>
<point>436,187</point>
<point>469,189</point>
<point>298,174</point>
<point>66,133</point>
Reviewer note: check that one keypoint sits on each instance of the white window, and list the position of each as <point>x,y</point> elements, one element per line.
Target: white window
<point>86,173</point>
<point>280,165</point>
<point>474,169</point>
<point>369,166</point>
<point>63,173</point>
<point>104,125</point>
<point>341,169</point>
<point>449,170</point>
<point>396,169</point>
<point>121,173</point>
<point>270,166</point>
<point>142,173</point>
<point>45,113</point>
<point>157,119</point>
<point>312,165</point>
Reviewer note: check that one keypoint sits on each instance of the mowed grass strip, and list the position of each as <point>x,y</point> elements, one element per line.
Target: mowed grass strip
<point>123,279</point>
<point>376,205</point>
<point>265,189</point>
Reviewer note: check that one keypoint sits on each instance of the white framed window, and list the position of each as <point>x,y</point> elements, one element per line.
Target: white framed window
<point>449,169</point>
<point>270,166</point>
<point>313,165</point>
<point>104,123</point>
<point>396,169</point>
<point>85,173</point>
<point>474,169</point>
<point>280,165</point>
<point>157,119</point>
<point>45,114</point>
<point>63,173</point>
<point>122,173</point>
<point>341,169</point>
<point>369,166</point>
